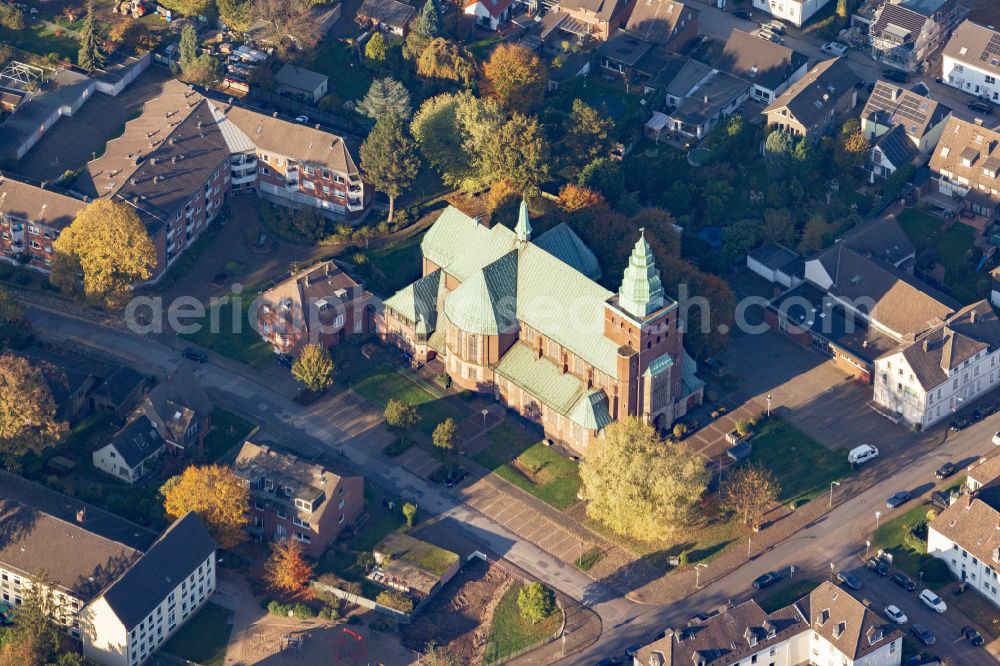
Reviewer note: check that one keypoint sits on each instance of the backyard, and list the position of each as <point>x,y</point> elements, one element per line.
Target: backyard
<point>509,632</point>
<point>41,40</point>
<point>203,639</point>
<point>951,249</point>
<point>905,539</point>
<point>390,268</point>
<point>349,78</point>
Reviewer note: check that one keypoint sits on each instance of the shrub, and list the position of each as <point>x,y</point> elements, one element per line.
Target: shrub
<point>682,560</point>
<point>396,600</point>
<point>680,430</point>
<point>280,609</point>
<point>330,613</point>
<point>443,379</point>
<point>302,611</point>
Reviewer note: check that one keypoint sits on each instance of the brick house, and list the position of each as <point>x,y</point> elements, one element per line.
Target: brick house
<point>31,218</point>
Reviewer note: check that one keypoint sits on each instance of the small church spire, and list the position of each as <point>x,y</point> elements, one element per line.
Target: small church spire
<point>641,292</point>
<point>523,228</point>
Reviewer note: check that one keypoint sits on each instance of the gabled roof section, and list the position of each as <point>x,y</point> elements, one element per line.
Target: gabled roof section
<point>541,378</point>
<point>657,21</point>
<point>810,98</point>
<point>759,61</point>
<point>137,441</point>
<point>896,146</point>
<point>882,239</point>
<point>602,9</point>
<point>969,151</point>
<point>976,45</point>
<point>418,300</point>
<point>390,12</point>
<point>486,303</point>
<point>897,20</point>
<point>591,411</point>
<point>460,245</point>
<point>562,243</point>
<point>891,104</point>
<point>35,204</point>
<point>851,628</point>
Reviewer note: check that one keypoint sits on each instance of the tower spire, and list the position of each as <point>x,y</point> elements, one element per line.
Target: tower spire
<point>523,228</point>
<point>641,292</point>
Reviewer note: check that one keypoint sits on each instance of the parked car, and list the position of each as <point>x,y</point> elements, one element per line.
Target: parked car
<point>972,636</point>
<point>859,455</point>
<point>834,48</point>
<point>904,581</point>
<point>286,360</point>
<point>981,105</point>
<point>195,355</point>
<point>770,36</point>
<point>849,579</point>
<point>878,566</point>
<point>743,14</point>
<point>893,613</point>
<point>632,649</point>
<point>898,498</point>
<point>896,76</point>
<point>775,27</point>
<point>944,471</point>
<point>922,634</point>
<point>996,438</point>
<point>940,499</point>
<point>302,119</point>
<point>766,580</point>
<point>933,601</point>
<point>455,477</point>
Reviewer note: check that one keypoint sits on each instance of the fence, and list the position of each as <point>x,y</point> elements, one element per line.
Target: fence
<point>364,602</point>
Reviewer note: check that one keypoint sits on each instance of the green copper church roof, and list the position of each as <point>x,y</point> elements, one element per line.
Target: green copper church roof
<point>562,243</point>
<point>485,303</point>
<point>641,292</point>
<point>418,300</point>
<point>591,411</point>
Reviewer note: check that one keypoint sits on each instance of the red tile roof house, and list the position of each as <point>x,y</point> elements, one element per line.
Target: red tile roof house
<point>298,499</point>
<point>321,304</point>
<point>489,14</point>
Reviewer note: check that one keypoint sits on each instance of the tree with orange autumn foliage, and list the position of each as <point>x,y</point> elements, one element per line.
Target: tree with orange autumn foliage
<point>574,197</point>
<point>287,570</point>
<point>217,494</point>
<point>515,77</point>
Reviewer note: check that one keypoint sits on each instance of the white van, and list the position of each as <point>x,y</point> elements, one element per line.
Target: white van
<point>862,454</point>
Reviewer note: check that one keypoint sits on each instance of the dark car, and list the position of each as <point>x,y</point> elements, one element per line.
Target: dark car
<point>766,580</point>
<point>850,580</point>
<point>922,634</point>
<point>940,499</point>
<point>972,636</point>
<point>878,566</point>
<point>195,355</point>
<point>981,105</point>
<point>944,471</point>
<point>903,581</point>
<point>898,499</point>
<point>455,477</point>
<point>743,14</point>
<point>286,360</point>
<point>896,75</point>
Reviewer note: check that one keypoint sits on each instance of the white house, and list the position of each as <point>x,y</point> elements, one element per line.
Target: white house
<point>971,61</point>
<point>139,611</point>
<point>944,368</point>
<point>777,264</point>
<point>132,452</point>
<point>827,627</point>
<point>796,12</point>
<point>489,14</point>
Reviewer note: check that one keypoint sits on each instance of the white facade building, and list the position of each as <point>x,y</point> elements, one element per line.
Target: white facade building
<point>796,12</point>
<point>970,61</point>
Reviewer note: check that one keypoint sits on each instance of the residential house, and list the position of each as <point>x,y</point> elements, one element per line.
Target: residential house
<point>136,614</point>
<point>667,23</point>
<point>777,264</point>
<point>489,14</point>
<point>810,105</point>
<point>965,165</point>
<point>905,34</point>
<point>966,535</point>
<point>626,56</point>
<point>180,411</point>
<point>298,499</point>
<point>713,96</point>
<point>579,20</point>
<point>971,60</point>
<point>523,320</point>
<point>769,67</point>
<point>796,12</point>
<point>80,547</point>
<point>982,473</point>
<point>119,391</point>
<point>132,453</point>
<point>901,125</point>
<point>390,16</point>
<point>302,83</point>
<point>826,626</point>
<point>31,218</point>
<point>321,304</point>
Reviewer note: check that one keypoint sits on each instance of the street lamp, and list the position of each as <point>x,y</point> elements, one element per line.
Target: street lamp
<point>749,538</point>
<point>832,485</point>
<point>768,405</point>
<point>485,412</point>
<point>868,544</point>
<point>831,571</point>
<point>878,514</point>
<point>697,574</point>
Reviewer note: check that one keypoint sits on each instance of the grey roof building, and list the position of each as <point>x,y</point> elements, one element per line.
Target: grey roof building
<point>809,106</point>
<point>302,82</point>
<point>770,67</point>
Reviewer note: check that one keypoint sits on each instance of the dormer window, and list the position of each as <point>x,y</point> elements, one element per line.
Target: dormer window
<point>823,617</point>
<point>945,151</point>
<point>304,505</point>
<point>287,491</point>
<point>839,630</point>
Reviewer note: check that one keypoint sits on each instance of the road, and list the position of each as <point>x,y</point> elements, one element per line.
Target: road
<point>836,537</point>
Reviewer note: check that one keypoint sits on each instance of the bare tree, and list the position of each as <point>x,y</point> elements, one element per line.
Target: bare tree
<point>285,20</point>
<point>750,493</point>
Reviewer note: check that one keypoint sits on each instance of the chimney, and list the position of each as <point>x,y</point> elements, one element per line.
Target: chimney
<point>972,316</point>
<point>979,122</point>
<point>927,345</point>
<point>81,515</point>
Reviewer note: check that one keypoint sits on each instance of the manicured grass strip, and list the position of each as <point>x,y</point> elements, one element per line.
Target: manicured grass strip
<point>804,467</point>
<point>510,632</point>
<point>245,345</point>
<point>203,639</point>
<point>385,384</point>
<point>227,430</point>
<point>909,551</point>
<point>787,592</point>
<point>589,559</point>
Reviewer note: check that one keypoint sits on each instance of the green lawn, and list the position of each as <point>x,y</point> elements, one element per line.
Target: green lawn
<point>384,383</point>
<point>245,345</point>
<point>518,457</point>
<point>350,80</point>
<point>392,267</point>
<point>227,430</point>
<point>804,467</point>
<point>41,41</point>
<point>909,551</point>
<point>950,247</point>
<point>785,593</point>
<point>510,632</point>
<point>203,639</point>
<point>922,228</point>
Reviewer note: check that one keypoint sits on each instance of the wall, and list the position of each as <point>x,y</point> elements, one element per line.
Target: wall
<point>969,78</point>
<point>980,576</point>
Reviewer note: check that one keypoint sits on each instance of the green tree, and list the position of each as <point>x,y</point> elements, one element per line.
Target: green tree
<point>108,244</point>
<point>235,13</point>
<point>89,56</point>
<point>11,318</point>
<point>377,49</point>
<point>750,493</point>
<point>436,128</point>
<point>606,176</point>
<point>401,415</point>
<point>314,368</point>
<point>410,513</point>
<point>448,61</point>
<point>517,153</point>
<point>34,626</point>
<point>515,77</point>
<point>189,7</point>
<point>444,435</point>
<point>588,133</point>
<point>28,422</point>
<point>203,70</point>
<point>188,49</point>
<point>639,485</point>
<point>439,655</point>
<point>389,158</point>
<point>429,22</point>
<point>12,18</point>
<point>851,151</point>
<point>536,602</point>
<point>385,96</point>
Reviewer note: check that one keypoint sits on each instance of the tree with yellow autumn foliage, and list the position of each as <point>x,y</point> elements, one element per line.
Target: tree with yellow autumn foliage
<point>109,246</point>
<point>515,77</point>
<point>217,494</point>
<point>287,570</point>
<point>27,411</point>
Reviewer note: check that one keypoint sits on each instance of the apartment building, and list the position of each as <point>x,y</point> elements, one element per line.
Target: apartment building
<point>135,615</point>
<point>826,627</point>
<point>30,219</point>
<point>796,12</point>
<point>966,164</point>
<point>971,60</point>
<point>321,304</point>
<point>298,499</point>
<point>905,34</point>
